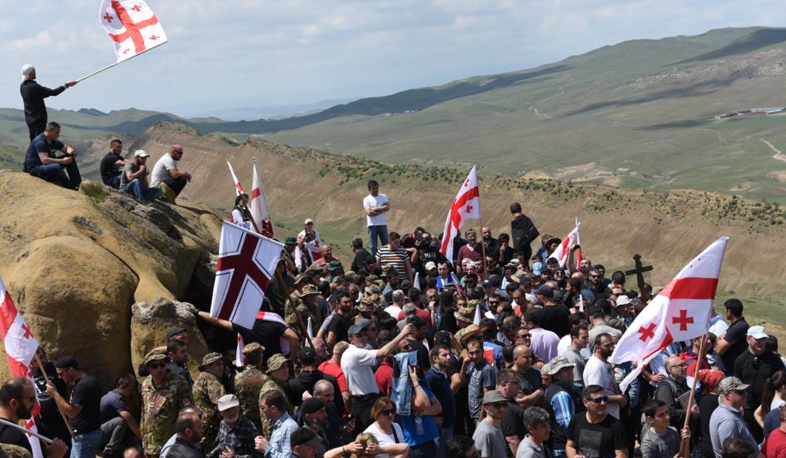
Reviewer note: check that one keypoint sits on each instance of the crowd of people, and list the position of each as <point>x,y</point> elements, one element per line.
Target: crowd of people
<point>490,352</point>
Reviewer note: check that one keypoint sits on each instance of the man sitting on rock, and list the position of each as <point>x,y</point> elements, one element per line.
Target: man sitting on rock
<point>41,162</point>
<point>110,174</point>
<point>133,180</point>
<point>165,171</point>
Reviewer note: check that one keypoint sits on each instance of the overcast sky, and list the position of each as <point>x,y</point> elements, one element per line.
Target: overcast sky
<point>232,53</point>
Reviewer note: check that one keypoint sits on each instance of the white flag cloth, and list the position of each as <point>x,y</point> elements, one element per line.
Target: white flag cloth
<point>132,26</point>
<point>680,312</point>
<point>416,281</point>
<point>238,187</point>
<point>465,206</point>
<point>20,347</point>
<point>562,253</point>
<point>240,360</point>
<point>258,206</point>
<point>246,263</point>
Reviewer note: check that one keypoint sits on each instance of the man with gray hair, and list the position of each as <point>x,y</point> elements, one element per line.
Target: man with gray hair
<point>396,307</point>
<point>537,421</point>
<point>33,95</point>
<point>472,250</point>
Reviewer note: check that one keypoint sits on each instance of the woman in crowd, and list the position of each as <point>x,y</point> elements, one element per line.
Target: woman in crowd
<point>385,430</point>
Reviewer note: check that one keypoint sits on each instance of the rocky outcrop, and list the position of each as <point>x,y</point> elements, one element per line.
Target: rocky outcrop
<point>75,262</point>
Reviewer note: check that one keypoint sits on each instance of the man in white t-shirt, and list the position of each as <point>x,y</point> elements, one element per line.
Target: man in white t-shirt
<point>376,205</point>
<point>357,363</point>
<point>166,171</point>
<point>598,371</point>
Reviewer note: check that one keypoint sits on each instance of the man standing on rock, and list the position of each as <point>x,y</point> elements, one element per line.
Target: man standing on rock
<point>376,205</point>
<point>163,395</point>
<point>33,95</point>
<point>207,391</point>
<point>165,171</point>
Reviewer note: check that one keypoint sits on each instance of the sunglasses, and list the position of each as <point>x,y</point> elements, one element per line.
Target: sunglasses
<point>389,412</point>
<point>156,365</point>
<point>600,399</point>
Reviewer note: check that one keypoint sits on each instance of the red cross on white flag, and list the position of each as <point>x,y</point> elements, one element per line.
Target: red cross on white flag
<point>132,26</point>
<point>246,262</point>
<point>562,253</point>
<point>258,207</point>
<point>20,347</point>
<point>680,312</point>
<point>465,206</point>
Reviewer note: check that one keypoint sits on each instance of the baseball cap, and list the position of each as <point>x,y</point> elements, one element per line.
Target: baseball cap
<point>622,300</point>
<point>174,331</point>
<point>312,405</point>
<point>227,402</point>
<point>308,221</point>
<point>307,355</point>
<point>66,362</point>
<point>358,327</point>
<point>731,384</point>
<point>493,396</point>
<point>757,332</point>
<point>141,153</point>
<point>545,291</point>
<point>430,265</point>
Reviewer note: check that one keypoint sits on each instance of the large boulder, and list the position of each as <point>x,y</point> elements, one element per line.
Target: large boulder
<point>150,323</point>
<point>75,262</point>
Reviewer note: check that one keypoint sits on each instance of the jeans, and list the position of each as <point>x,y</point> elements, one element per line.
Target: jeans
<point>445,434</point>
<point>113,181</point>
<point>112,435</point>
<point>86,445</point>
<point>373,233</point>
<point>56,173</point>
<point>135,188</point>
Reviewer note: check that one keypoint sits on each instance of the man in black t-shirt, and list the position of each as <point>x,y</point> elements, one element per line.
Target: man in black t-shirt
<point>110,163</point>
<point>341,321</point>
<point>595,434</point>
<point>41,162</point>
<point>513,422</point>
<point>49,421</point>
<point>83,409</point>
<point>733,342</point>
<point>17,400</point>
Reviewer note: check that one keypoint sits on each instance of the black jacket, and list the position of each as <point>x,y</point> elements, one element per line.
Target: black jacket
<point>523,232</point>
<point>182,449</point>
<point>33,95</point>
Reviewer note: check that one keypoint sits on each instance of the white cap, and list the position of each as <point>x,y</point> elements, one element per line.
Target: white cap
<point>141,153</point>
<point>309,221</point>
<point>26,71</point>
<point>757,332</point>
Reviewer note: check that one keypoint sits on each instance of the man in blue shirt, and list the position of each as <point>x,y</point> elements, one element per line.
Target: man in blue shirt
<point>41,162</point>
<point>438,380</point>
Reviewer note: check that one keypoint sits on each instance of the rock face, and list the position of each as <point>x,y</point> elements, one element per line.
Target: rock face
<point>150,323</point>
<point>75,262</point>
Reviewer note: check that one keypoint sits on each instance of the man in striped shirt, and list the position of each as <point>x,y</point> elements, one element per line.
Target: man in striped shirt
<point>395,255</point>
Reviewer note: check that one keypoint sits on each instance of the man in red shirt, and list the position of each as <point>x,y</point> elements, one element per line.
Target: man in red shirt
<point>775,445</point>
<point>333,367</point>
<point>472,250</point>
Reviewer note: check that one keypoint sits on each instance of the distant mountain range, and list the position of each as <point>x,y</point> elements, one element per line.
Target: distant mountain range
<point>641,113</point>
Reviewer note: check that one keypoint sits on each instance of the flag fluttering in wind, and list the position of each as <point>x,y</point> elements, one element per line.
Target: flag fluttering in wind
<point>20,347</point>
<point>258,207</point>
<point>246,263</point>
<point>132,26</point>
<point>680,312</point>
<point>238,187</point>
<point>562,253</point>
<point>465,206</point>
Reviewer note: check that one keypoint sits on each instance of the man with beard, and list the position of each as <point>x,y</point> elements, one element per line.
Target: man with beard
<point>523,232</point>
<point>17,399</point>
<point>236,433</point>
<point>598,372</point>
<point>472,250</point>
<point>324,391</point>
<point>49,421</point>
<point>82,408</point>
<point>530,383</point>
<point>670,389</point>
<point>562,402</point>
<point>598,287</point>
<point>313,415</point>
<point>488,436</point>
<point>177,351</point>
<point>595,433</point>
<point>189,435</point>
<point>309,375</point>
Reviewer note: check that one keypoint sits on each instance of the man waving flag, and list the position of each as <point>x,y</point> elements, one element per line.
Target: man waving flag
<point>680,312</point>
<point>465,206</point>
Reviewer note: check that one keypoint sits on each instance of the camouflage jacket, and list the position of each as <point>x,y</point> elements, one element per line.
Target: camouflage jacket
<point>207,390</point>
<point>248,384</point>
<point>160,405</point>
<point>306,311</point>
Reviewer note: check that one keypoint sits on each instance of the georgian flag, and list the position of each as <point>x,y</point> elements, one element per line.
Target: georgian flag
<point>238,187</point>
<point>680,312</point>
<point>465,206</point>
<point>246,262</point>
<point>132,26</point>
<point>20,347</point>
<point>562,253</point>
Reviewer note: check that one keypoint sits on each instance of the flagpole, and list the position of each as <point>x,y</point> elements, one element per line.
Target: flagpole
<point>46,378</point>
<point>118,63</point>
<point>685,443</point>
<point>27,431</point>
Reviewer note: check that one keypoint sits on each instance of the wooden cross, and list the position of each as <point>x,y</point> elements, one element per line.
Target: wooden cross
<point>639,271</point>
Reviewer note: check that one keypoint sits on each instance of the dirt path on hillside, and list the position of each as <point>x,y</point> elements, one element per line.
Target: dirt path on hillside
<point>779,156</point>
<point>534,109</point>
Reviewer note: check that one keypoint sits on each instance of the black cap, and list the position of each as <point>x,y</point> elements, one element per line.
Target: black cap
<point>304,436</point>
<point>307,356</point>
<point>174,332</point>
<point>312,405</point>
<point>66,362</point>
